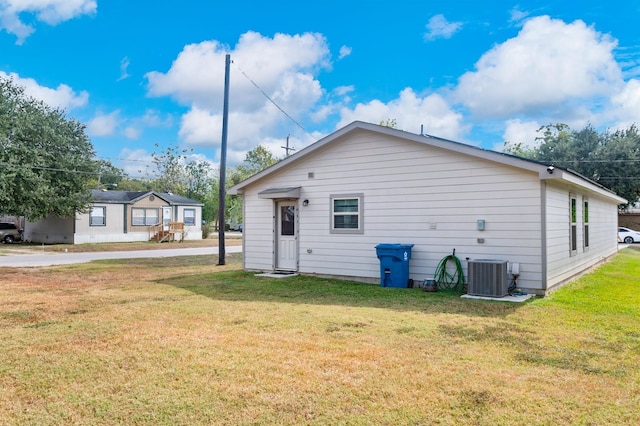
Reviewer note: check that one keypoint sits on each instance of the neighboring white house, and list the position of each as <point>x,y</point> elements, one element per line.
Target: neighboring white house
<point>120,216</point>
<point>324,209</point>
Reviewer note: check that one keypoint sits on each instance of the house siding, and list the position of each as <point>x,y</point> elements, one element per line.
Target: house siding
<point>111,232</point>
<point>429,192</point>
<point>191,232</point>
<point>53,230</point>
<point>413,194</point>
<point>258,242</point>
<point>562,263</point>
<point>145,202</point>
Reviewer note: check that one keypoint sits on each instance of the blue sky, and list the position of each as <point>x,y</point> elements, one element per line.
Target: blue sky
<point>141,73</point>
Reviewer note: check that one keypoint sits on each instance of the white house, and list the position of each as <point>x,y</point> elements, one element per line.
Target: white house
<point>324,209</point>
<point>121,216</point>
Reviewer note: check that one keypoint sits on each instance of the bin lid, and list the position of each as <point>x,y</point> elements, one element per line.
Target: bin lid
<point>394,246</point>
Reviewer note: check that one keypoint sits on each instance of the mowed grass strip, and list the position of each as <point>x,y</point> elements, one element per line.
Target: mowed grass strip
<point>184,341</point>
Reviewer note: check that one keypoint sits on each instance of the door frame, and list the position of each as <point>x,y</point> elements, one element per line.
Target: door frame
<point>276,232</point>
<point>169,209</point>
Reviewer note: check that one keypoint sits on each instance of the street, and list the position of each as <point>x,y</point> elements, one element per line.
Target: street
<point>49,259</point>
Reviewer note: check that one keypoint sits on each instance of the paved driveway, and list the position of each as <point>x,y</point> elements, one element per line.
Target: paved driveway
<point>48,259</point>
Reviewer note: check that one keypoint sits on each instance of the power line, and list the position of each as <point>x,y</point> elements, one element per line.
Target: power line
<point>54,169</point>
<point>592,161</point>
<point>49,169</point>
<point>619,177</point>
<point>271,100</point>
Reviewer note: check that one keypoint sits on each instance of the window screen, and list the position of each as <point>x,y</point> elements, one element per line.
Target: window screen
<point>346,214</point>
<point>189,217</point>
<point>142,217</point>
<point>97,216</point>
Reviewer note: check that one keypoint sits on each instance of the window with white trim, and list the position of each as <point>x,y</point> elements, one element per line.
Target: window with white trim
<point>190,217</point>
<point>347,214</point>
<point>98,216</point>
<point>573,217</point>
<point>585,222</point>
<point>144,216</point>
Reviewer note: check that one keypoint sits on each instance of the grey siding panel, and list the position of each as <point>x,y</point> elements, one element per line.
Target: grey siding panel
<point>53,230</point>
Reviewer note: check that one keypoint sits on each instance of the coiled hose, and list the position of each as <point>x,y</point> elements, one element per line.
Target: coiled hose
<point>446,280</point>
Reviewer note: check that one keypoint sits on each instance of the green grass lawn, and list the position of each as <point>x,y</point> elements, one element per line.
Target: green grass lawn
<point>183,341</point>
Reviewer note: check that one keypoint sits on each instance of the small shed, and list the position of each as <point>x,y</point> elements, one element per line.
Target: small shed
<point>323,210</point>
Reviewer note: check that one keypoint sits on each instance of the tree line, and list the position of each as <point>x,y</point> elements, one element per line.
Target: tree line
<point>611,159</point>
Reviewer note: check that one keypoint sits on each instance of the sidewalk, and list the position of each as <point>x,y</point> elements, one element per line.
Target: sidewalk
<point>49,259</point>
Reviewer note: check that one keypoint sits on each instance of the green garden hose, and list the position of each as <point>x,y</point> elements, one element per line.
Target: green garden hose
<point>446,280</point>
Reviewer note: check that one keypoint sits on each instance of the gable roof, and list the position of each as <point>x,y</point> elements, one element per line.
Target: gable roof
<point>545,171</point>
<point>131,197</point>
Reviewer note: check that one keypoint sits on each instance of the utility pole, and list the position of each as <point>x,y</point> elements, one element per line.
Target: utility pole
<point>223,164</point>
<point>286,148</point>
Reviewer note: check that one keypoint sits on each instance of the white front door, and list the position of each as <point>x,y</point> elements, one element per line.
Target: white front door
<point>166,217</point>
<point>287,236</point>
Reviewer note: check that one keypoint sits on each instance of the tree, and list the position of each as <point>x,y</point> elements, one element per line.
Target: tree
<point>202,185</point>
<point>619,163</point>
<point>109,176</point>
<point>200,179</point>
<point>46,159</point>
<point>255,161</point>
<point>169,174</point>
<point>612,160</point>
<point>389,122</point>
<point>575,150</point>
<point>173,172</point>
<point>129,184</point>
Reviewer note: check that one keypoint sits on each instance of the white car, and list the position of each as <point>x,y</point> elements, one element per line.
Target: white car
<point>628,236</point>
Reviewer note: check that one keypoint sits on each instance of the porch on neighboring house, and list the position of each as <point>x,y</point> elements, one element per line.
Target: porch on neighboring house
<point>161,233</point>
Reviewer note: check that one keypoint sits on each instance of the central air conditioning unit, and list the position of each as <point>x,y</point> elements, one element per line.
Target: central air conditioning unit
<point>488,277</point>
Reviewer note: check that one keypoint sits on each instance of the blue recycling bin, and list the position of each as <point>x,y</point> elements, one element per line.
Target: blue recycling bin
<point>394,264</point>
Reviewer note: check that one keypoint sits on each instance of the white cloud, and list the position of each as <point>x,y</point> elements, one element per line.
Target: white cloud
<point>132,132</point>
<point>63,96</point>
<point>518,131</point>
<point>51,12</point>
<point>153,118</point>
<point>411,112</point>
<point>124,64</point>
<point>196,76</point>
<point>202,127</point>
<point>344,52</point>
<point>439,27</point>
<point>135,162</point>
<point>104,124</point>
<point>518,15</point>
<point>199,126</point>
<point>343,90</point>
<point>283,68</point>
<point>322,113</point>
<point>551,71</point>
<point>550,67</point>
<point>626,105</point>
